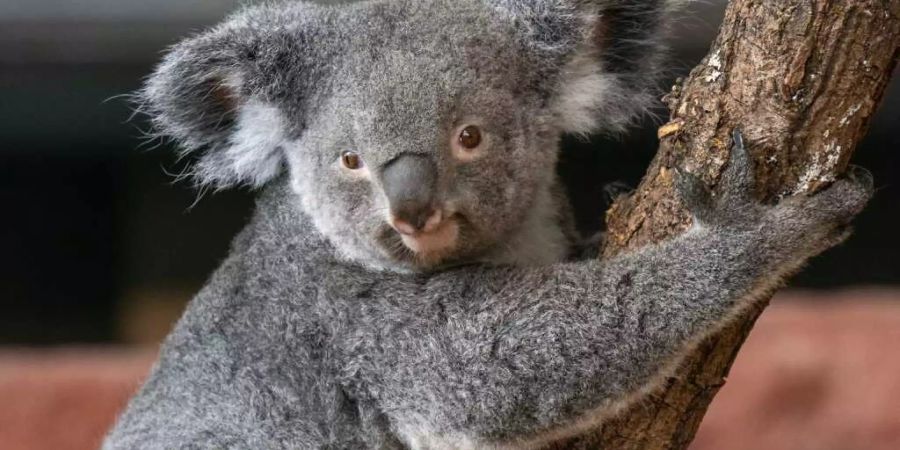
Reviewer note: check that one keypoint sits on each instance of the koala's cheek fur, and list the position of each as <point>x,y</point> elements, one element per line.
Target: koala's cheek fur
<point>500,190</point>
<point>343,208</point>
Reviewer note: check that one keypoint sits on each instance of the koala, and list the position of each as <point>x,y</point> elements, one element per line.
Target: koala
<point>404,281</point>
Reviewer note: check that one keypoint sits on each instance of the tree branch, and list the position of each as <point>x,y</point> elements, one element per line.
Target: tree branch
<point>801,78</point>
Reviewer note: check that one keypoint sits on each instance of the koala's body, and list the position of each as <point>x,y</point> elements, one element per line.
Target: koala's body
<point>403,282</point>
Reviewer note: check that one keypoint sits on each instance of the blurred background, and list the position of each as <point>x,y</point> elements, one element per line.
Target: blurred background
<point>99,250</point>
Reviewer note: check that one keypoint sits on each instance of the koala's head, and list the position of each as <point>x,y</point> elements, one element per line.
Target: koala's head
<point>415,133</point>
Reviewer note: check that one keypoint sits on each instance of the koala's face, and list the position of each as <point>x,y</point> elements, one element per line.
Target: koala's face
<point>421,159</point>
<point>416,134</point>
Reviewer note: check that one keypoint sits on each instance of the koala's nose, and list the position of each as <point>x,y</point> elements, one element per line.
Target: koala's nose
<point>410,185</point>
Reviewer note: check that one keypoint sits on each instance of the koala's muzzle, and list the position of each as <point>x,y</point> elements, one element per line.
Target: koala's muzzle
<point>410,185</point>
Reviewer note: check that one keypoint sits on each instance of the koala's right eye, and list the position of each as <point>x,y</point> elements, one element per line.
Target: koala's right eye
<point>351,160</point>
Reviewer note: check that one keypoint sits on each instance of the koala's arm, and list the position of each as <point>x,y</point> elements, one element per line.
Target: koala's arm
<point>507,354</point>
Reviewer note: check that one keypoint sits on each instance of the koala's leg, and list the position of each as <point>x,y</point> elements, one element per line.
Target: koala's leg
<point>514,354</point>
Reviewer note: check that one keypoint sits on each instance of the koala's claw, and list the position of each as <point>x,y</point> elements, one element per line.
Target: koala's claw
<point>734,191</point>
<point>862,177</point>
<point>738,180</point>
<point>737,138</point>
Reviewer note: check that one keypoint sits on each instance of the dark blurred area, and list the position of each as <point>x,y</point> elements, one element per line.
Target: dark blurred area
<point>97,240</point>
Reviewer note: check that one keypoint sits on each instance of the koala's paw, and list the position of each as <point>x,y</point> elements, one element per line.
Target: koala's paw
<point>822,220</point>
<point>733,203</point>
<point>802,224</point>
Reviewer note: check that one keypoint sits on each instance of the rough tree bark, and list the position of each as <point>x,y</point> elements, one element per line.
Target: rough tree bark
<point>801,78</point>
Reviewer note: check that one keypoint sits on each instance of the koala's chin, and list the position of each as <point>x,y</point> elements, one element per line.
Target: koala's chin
<point>430,248</point>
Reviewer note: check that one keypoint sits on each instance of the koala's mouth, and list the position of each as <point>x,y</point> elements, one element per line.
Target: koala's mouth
<point>424,249</point>
<point>435,243</point>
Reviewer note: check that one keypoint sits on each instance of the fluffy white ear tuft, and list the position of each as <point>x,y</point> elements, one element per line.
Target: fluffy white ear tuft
<point>591,100</point>
<point>581,96</point>
<point>215,93</point>
<point>255,151</point>
<point>610,79</point>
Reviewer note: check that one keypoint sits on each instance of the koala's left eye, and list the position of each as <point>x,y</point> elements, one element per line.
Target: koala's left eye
<point>470,137</point>
<point>351,160</point>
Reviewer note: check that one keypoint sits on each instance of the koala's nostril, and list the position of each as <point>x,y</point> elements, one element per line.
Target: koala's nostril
<point>433,220</point>
<point>403,227</point>
<point>413,221</point>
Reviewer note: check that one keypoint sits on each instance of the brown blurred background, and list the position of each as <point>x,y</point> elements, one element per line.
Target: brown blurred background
<point>100,251</point>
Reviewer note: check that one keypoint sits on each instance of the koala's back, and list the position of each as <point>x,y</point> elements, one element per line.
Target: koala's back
<point>247,363</point>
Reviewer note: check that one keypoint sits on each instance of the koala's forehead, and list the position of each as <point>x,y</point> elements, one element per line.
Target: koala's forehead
<point>433,49</point>
<point>438,42</point>
<point>400,65</point>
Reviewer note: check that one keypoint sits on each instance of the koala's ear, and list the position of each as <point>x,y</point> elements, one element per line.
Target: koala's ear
<point>604,57</point>
<point>230,96</point>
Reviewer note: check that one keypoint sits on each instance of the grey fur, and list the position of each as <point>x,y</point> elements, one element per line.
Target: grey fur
<point>321,331</point>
